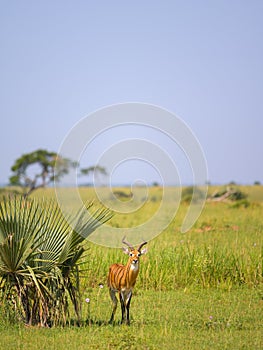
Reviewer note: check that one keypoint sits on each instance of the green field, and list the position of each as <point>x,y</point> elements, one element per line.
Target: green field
<point>197,290</point>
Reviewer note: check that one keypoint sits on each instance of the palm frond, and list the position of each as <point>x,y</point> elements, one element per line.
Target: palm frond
<point>40,255</point>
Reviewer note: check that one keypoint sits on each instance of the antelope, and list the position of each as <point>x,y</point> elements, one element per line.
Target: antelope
<point>122,278</point>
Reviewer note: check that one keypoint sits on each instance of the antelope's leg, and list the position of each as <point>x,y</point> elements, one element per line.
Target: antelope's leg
<point>114,302</point>
<point>128,301</point>
<point>122,300</point>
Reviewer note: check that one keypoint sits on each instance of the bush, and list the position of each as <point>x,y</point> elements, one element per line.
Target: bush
<point>39,259</point>
<point>192,193</point>
<point>237,195</point>
<point>228,193</point>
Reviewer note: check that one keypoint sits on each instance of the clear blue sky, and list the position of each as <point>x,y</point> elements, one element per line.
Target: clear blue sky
<point>202,60</point>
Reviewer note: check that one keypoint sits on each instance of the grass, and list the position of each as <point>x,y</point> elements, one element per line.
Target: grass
<point>198,290</point>
<point>179,319</point>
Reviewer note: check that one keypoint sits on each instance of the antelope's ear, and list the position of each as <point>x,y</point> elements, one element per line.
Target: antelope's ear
<point>143,251</point>
<point>126,251</point>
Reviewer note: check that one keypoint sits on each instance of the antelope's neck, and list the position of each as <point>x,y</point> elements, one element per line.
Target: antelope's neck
<point>132,271</point>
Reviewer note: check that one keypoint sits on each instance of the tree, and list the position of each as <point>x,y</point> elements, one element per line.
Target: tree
<point>96,170</point>
<point>42,164</point>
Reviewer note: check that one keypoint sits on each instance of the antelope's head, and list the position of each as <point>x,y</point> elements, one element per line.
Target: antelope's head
<point>134,254</point>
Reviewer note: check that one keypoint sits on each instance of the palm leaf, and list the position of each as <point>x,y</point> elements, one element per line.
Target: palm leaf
<point>40,255</point>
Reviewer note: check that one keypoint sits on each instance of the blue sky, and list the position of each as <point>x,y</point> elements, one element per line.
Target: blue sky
<point>201,60</point>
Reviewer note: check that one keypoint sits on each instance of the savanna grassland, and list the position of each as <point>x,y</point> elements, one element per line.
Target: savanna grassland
<point>201,289</point>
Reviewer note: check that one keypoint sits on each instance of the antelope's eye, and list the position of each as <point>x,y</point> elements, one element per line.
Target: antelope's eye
<point>139,254</point>
<point>131,254</point>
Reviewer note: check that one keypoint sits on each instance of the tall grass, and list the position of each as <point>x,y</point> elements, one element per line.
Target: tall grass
<point>224,249</point>
<point>181,267</point>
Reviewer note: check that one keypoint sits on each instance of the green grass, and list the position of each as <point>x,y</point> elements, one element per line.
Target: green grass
<point>197,290</point>
<point>179,319</point>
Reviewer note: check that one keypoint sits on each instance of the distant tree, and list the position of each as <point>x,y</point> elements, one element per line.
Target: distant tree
<point>42,164</point>
<point>257,183</point>
<point>95,170</point>
<point>233,183</point>
<point>192,194</point>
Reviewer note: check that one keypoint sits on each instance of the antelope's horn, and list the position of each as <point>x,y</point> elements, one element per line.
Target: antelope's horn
<point>141,245</point>
<point>127,243</point>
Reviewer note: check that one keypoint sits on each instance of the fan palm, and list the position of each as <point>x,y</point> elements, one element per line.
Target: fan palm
<point>39,258</point>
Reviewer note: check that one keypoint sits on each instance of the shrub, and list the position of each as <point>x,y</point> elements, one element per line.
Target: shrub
<point>192,193</point>
<point>39,259</point>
